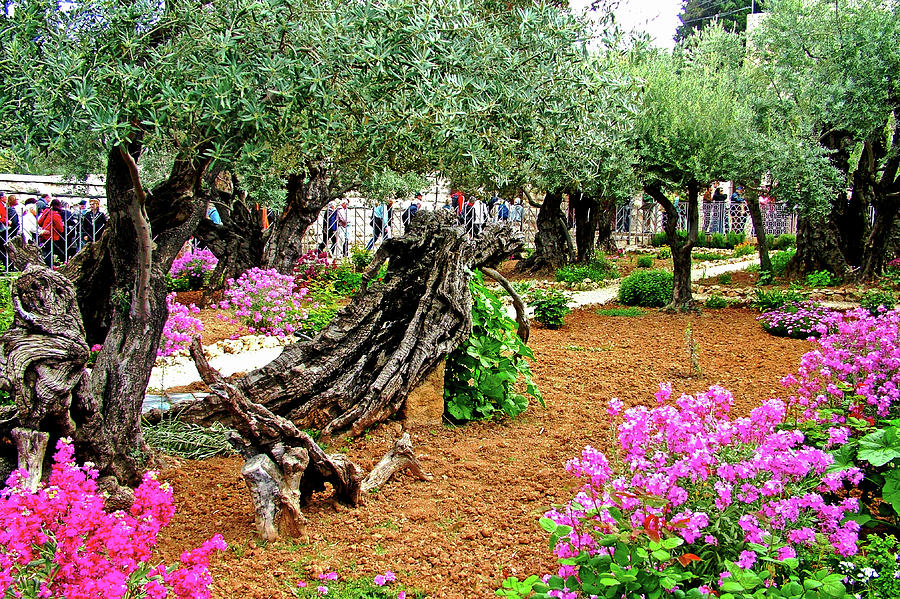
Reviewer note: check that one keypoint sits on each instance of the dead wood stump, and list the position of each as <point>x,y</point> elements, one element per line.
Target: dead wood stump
<point>284,465</point>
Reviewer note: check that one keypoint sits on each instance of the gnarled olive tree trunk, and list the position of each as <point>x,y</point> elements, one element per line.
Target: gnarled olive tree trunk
<point>553,246</point>
<point>682,298</point>
<point>359,370</point>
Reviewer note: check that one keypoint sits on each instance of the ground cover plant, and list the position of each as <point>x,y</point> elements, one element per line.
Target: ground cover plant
<point>650,289</point>
<point>270,303</point>
<point>598,269</point>
<point>707,256</point>
<point>481,375</point>
<point>799,320</point>
<point>180,328</point>
<point>192,270</point>
<point>550,307</point>
<point>698,496</point>
<point>645,262</point>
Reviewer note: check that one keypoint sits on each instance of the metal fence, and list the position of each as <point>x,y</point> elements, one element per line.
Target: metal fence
<point>636,225</point>
<point>58,234</point>
<point>65,234</point>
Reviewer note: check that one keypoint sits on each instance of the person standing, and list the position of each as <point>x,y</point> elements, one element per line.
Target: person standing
<point>52,234</point>
<point>502,211</point>
<point>29,222</point>
<point>93,222</point>
<point>342,227</point>
<point>517,211</point>
<point>738,209</point>
<point>480,216</point>
<point>13,216</point>
<point>378,216</point>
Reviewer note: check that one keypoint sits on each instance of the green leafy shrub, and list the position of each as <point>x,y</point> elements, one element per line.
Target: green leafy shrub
<point>783,242</point>
<point>774,299</point>
<point>481,373</point>
<point>724,278</point>
<point>345,279</point>
<point>597,269</point>
<point>549,307</point>
<point>664,253</point>
<point>648,288</point>
<point>733,239</point>
<point>874,571</point>
<point>660,239</point>
<point>716,240</point>
<point>873,300</point>
<point>744,249</point>
<point>707,256</point>
<point>715,301</point>
<point>645,262</point>
<point>780,261</point>
<point>361,257</point>
<point>820,278</point>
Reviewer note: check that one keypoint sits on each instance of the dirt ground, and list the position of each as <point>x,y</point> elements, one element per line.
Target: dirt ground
<point>475,523</point>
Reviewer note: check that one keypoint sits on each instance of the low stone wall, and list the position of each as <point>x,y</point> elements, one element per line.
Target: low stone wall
<point>747,294</point>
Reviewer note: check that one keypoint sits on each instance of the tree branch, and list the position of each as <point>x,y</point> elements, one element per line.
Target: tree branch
<point>524,329</point>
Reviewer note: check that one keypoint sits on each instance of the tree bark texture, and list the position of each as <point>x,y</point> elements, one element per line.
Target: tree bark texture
<point>818,248</point>
<point>762,246</point>
<point>238,242</point>
<point>682,298</point>
<point>552,243</point>
<point>307,194</point>
<point>359,370</point>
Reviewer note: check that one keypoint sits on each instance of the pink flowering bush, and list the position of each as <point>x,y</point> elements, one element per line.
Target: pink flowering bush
<point>180,327</point>
<point>855,371</point>
<point>192,270</point>
<point>799,320</point>
<point>59,542</point>
<point>729,489</point>
<point>312,267</point>
<point>270,303</point>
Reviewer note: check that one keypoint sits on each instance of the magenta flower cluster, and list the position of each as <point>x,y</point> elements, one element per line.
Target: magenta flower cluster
<point>313,266</point>
<point>268,302</point>
<point>710,479</point>
<point>193,263</point>
<point>800,320</point>
<point>59,542</point>
<point>855,370</point>
<point>180,327</point>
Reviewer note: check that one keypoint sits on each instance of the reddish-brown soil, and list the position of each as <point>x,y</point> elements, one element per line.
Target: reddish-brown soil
<point>476,521</point>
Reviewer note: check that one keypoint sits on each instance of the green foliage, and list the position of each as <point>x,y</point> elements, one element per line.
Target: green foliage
<point>325,304</point>
<point>6,307</point>
<point>719,241</point>
<point>190,441</point>
<point>389,184</point>
<point>744,249</point>
<point>637,566</point>
<point>780,261</point>
<point>358,588</point>
<point>716,301</point>
<point>875,570</point>
<point>773,299</point>
<point>345,279</point>
<point>597,269</point>
<point>549,307</point>
<point>650,289</point>
<point>873,300</point>
<point>724,278</point>
<point>707,256</point>
<point>820,278</point>
<point>626,312</point>
<point>361,257</point>
<point>481,374</point>
<point>645,262</point>
<point>783,242</point>
<point>799,584</point>
<point>664,253</point>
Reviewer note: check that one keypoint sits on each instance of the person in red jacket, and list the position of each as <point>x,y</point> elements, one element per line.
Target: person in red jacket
<point>51,233</point>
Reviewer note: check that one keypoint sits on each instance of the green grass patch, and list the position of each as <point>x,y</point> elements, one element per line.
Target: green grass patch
<point>354,589</point>
<point>189,441</point>
<point>627,312</point>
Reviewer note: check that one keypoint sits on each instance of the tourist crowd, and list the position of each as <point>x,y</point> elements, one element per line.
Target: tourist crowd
<point>59,229</point>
